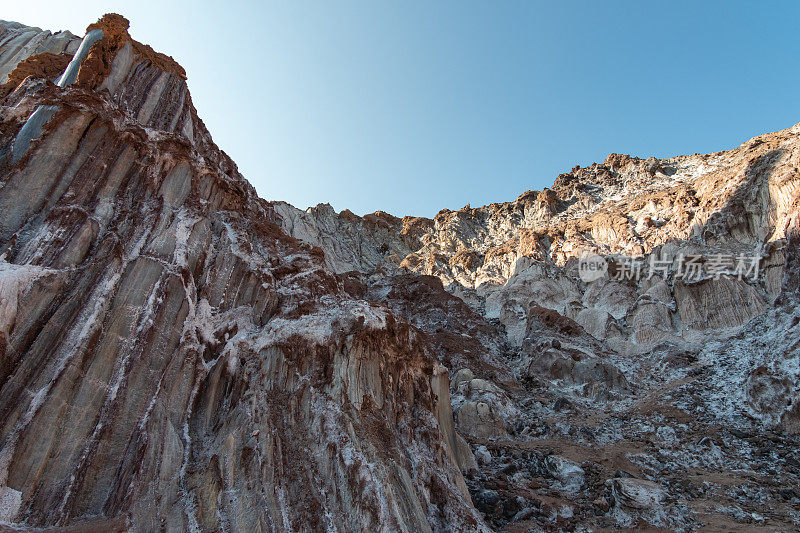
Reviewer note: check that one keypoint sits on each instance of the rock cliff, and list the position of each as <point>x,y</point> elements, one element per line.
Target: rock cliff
<point>169,358</point>
<point>178,354</point>
<point>676,369</point>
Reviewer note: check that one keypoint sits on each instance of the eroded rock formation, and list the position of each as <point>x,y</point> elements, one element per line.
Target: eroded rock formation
<point>169,357</point>
<point>177,353</point>
<point>676,380</point>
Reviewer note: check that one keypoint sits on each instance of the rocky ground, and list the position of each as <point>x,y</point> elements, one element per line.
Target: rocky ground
<point>177,353</point>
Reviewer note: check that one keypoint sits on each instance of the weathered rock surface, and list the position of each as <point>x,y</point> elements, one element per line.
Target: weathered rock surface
<point>179,354</point>
<point>169,357</point>
<point>689,383</point>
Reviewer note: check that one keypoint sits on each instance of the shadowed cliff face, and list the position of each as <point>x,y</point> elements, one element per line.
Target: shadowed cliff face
<point>169,357</point>
<point>177,353</point>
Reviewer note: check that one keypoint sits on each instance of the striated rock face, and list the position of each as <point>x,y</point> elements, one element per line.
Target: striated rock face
<point>169,357</point>
<point>177,353</point>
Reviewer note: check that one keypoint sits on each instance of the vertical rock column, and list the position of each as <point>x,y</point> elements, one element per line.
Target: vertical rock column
<point>33,126</point>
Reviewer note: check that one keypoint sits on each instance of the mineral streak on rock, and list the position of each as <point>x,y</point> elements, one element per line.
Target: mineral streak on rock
<point>177,353</point>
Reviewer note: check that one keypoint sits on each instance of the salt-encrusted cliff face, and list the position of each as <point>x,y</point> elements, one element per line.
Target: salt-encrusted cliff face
<point>730,211</point>
<point>169,357</point>
<point>177,353</point>
<point>678,366</point>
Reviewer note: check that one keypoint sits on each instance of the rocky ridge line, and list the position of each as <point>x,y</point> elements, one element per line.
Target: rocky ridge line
<point>690,385</point>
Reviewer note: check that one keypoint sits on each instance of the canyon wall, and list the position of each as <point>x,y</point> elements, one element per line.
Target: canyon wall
<point>676,367</point>
<point>177,353</point>
<point>169,358</point>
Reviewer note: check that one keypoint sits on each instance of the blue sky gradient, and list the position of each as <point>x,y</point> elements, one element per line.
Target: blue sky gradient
<point>411,107</point>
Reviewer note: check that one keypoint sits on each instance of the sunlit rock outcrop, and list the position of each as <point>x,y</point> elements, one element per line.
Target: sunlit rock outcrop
<point>179,354</point>
<point>683,356</point>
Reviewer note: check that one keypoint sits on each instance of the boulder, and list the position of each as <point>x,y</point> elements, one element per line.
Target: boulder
<point>638,493</point>
<point>478,419</point>
<point>568,473</point>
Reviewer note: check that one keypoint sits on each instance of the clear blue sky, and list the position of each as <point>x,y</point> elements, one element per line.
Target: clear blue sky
<point>411,107</point>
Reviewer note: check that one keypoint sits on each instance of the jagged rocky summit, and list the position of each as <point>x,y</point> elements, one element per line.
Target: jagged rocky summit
<point>179,354</point>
